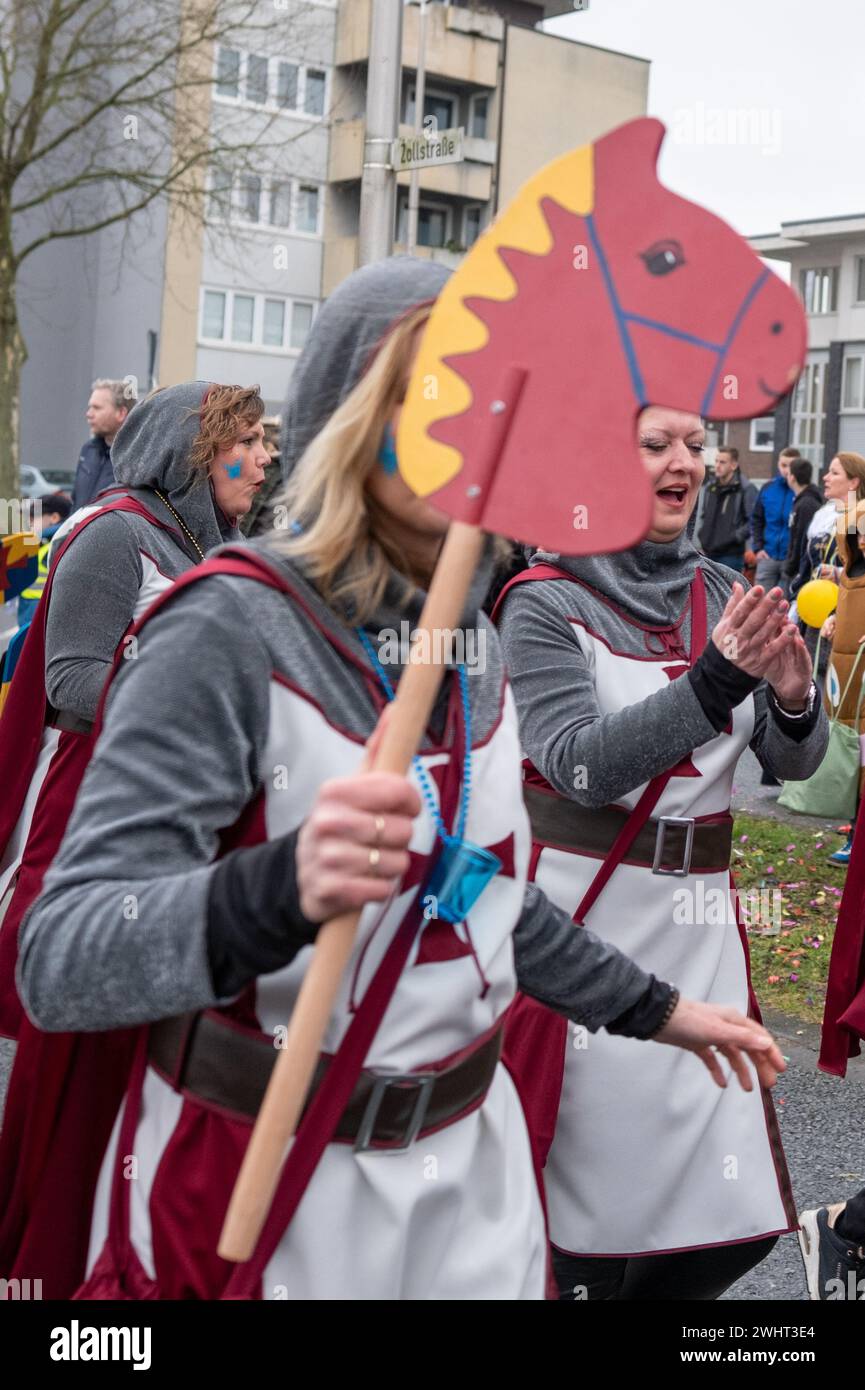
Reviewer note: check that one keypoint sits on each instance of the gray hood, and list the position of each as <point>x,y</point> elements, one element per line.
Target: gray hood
<point>151,450</point>
<point>650,581</point>
<point>348,326</point>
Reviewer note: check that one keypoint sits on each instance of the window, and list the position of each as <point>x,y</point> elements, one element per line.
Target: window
<point>432,226</point>
<point>274,322</point>
<point>301,321</point>
<point>250,197</point>
<point>860,279</point>
<point>286,85</point>
<point>242,318</point>
<point>313,103</point>
<point>228,72</point>
<point>256,320</point>
<point>288,204</point>
<point>280,204</point>
<point>819,290</point>
<point>439,105</point>
<point>219,194</point>
<point>763,434</point>
<point>852,394</point>
<point>808,412</point>
<point>213,315</point>
<point>306,211</point>
<point>479,107</point>
<point>471,225</point>
<point>256,79</point>
<point>251,78</point>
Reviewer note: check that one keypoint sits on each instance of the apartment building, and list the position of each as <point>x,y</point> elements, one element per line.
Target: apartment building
<point>522,97</point>
<point>165,297</point>
<point>826,411</point>
<point>231,297</point>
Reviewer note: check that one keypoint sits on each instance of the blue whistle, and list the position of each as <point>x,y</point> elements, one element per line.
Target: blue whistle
<point>459,876</point>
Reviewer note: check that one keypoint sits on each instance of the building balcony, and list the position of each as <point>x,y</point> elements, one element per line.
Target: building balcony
<point>340,259</point>
<point>462,45</point>
<point>471,179</point>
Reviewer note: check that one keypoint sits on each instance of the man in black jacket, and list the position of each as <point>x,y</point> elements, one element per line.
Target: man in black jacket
<point>807,502</point>
<point>110,403</point>
<point>727,507</point>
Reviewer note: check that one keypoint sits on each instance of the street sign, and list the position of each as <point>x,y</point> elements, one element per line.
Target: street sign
<point>419,151</point>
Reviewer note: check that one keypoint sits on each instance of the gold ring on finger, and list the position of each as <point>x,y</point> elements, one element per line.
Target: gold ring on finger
<point>374,857</point>
<point>379,829</point>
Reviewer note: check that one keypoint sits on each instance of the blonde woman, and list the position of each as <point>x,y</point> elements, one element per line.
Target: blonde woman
<point>245,822</point>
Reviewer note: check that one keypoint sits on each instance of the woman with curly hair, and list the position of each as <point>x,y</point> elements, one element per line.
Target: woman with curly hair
<point>188,462</point>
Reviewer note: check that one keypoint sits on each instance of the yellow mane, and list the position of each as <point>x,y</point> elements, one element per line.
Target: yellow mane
<point>436,390</point>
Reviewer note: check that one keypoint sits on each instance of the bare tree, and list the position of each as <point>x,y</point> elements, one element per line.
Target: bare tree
<point>105,108</point>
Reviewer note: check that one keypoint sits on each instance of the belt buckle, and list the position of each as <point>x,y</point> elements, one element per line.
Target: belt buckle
<point>663,822</point>
<point>424,1083</point>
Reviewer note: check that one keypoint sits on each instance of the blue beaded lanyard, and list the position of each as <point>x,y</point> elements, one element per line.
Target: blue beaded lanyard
<point>462,870</point>
<point>425,784</point>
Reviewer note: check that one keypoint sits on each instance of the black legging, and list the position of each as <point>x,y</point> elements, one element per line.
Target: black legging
<point>692,1274</point>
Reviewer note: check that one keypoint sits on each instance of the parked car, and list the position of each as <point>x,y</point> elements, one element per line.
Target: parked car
<point>34,483</point>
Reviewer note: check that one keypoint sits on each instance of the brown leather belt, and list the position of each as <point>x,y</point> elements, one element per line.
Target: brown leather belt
<point>215,1061</point>
<point>675,845</point>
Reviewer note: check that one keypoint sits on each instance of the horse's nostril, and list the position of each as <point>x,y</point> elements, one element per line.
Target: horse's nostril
<point>777,327</point>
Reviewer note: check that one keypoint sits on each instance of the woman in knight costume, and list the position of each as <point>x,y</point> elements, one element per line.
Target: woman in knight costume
<point>639,680</point>
<point>200,861</point>
<point>188,462</point>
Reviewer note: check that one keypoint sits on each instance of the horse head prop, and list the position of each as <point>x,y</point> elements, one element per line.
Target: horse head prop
<point>595,293</point>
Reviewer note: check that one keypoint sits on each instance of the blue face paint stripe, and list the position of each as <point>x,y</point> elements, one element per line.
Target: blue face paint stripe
<point>233,469</point>
<point>734,329</point>
<point>387,453</point>
<point>618,314</point>
<point>674,332</point>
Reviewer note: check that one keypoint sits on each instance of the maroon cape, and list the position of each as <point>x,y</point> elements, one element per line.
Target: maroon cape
<point>844,1015</point>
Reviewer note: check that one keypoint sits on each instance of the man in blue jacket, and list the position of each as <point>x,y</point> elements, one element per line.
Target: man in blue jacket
<point>770,522</point>
<point>110,403</point>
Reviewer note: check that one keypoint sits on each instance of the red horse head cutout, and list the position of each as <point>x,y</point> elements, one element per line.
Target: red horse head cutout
<point>596,293</point>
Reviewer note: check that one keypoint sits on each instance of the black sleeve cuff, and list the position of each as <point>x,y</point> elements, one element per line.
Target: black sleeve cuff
<point>795,726</point>
<point>254,921</point>
<point>651,1011</point>
<point>719,686</point>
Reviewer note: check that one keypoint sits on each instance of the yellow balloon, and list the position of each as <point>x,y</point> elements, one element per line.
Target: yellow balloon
<point>816,600</point>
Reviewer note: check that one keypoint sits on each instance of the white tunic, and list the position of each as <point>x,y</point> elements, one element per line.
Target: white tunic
<point>458,1215</point>
<point>649,1155</point>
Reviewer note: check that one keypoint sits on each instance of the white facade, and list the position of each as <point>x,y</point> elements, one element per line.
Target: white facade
<point>262,259</point>
<point>827,267</point>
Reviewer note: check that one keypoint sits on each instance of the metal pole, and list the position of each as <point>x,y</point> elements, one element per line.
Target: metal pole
<point>378,182</point>
<point>419,88</point>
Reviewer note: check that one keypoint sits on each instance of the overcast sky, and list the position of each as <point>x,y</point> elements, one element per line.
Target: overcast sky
<point>798,66</point>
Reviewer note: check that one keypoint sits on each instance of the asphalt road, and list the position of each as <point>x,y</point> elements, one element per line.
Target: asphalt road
<point>822,1122</point>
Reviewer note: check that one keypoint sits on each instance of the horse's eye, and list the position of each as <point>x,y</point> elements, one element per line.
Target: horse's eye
<point>663,257</point>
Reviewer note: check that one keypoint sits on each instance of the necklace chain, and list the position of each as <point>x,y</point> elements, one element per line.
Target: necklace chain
<point>181,523</point>
<point>423,777</point>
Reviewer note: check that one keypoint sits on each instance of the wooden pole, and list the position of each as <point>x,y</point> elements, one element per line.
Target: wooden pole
<point>292,1074</point>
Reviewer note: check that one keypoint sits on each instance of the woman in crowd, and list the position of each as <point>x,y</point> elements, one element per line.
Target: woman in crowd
<point>242,824</point>
<point>188,462</point>
<point>639,679</point>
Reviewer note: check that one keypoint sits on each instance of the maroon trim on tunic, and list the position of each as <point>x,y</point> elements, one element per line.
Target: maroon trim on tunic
<point>65,1088</point>
<point>844,1012</point>
<point>673,1249</point>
